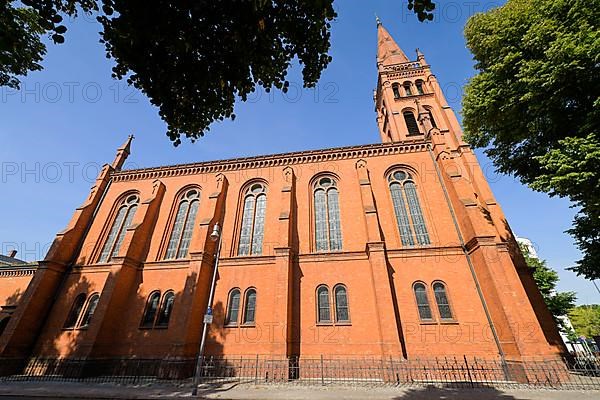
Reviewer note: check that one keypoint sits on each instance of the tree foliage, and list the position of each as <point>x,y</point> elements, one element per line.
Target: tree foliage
<point>573,170</point>
<point>192,59</point>
<point>537,93</point>
<point>559,303</point>
<point>586,320</point>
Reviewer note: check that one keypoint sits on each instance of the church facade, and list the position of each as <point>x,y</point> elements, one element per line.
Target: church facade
<point>395,249</point>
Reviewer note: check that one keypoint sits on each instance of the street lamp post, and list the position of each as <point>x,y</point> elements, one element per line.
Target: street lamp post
<point>215,236</point>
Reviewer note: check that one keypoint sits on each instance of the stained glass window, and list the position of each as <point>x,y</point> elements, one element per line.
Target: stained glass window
<point>250,306</point>
<point>323,304</point>
<point>233,307</point>
<point>328,231</point>
<point>165,309</point>
<point>183,227</point>
<point>407,208</point>
<point>253,220</point>
<point>75,311</point>
<point>89,311</point>
<point>122,221</point>
<point>151,310</point>
<point>439,291</point>
<point>341,304</point>
<point>422,301</point>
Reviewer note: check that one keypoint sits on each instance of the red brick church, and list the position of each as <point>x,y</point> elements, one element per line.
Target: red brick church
<point>393,249</point>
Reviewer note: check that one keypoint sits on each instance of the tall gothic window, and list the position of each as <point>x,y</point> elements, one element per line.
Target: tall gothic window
<point>409,216</point>
<point>431,117</point>
<point>341,304</point>
<point>75,311</point>
<point>89,311</point>
<point>151,309</point>
<point>411,123</point>
<point>396,90</point>
<point>422,301</point>
<point>441,298</point>
<point>233,307</point>
<point>253,220</point>
<point>407,88</point>
<point>122,221</point>
<point>328,232</point>
<point>183,227</point>
<point>323,308</point>
<point>250,306</point>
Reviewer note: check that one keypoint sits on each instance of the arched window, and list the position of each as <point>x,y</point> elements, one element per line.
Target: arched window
<point>3,324</point>
<point>181,234</point>
<point>233,308</point>
<point>396,90</point>
<point>328,232</point>
<point>324,310</point>
<point>250,306</point>
<point>151,310</point>
<point>422,301</point>
<point>89,311</point>
<point>253,220</point>
<point>122,221</point>
<point>441,298</point>
<point>341,304</point>
<point>406,202</point>
<point>419,85</point>
<point>411,123</point>
<point>75,311</point>
<point>166,307</point>
<point>407,88</point>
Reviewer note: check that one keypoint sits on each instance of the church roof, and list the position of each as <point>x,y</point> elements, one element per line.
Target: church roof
<point>5,260</point>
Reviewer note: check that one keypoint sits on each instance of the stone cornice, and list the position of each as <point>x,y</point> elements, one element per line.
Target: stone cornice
<point>12,271</point>
<point>273,160</point>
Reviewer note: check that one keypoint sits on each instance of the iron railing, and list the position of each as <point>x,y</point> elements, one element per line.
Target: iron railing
<point>469,372</point>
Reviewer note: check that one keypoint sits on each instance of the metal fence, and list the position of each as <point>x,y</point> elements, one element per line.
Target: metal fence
<point>578,373</point>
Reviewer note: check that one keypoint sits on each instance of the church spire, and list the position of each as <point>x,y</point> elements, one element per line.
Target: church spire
<point>122,154</point>
<point>388,51</point>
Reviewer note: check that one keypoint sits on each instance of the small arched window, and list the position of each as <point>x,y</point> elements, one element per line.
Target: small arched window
<point>253,220</point>
<point>407,208</point>
<point>408,88</point>
<point>183,226</point>
<point>411,123</point>
<point>441,298</point>
<point>150,310</point>
<point>419,86</point>
<point>396,90</point>
<point>233,308</point>
<point>250,306</point>
<point>341,304</point>
<point>75,311</point>
<point>123,220</point>
<point>422,301</point>
<point>323,307</point>
<point>89,311</point>
<point>3,324</point>
<point>166,307</point>
<point>328,232</point>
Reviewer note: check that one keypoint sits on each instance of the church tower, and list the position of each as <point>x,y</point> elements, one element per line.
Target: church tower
<point>409,101</point>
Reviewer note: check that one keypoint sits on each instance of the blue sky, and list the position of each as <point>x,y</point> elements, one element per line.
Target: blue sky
<point>68,120</point>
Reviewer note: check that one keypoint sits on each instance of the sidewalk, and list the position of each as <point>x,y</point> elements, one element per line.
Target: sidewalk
<point>56,390</point>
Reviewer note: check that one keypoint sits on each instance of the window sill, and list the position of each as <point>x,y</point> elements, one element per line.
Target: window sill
<point>343,323</point>
<point>449,322</point>
<point>145,328</point>
<point>230,326</point>
<point>415,135</point>
<point>248,325</point>
<point>432,322</point>
<point>325,323</point>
